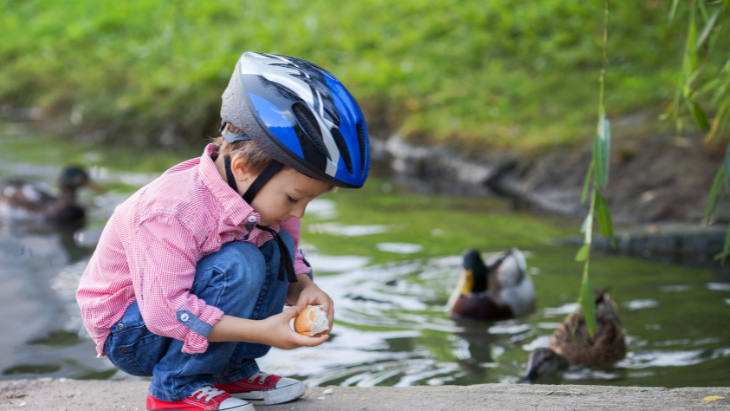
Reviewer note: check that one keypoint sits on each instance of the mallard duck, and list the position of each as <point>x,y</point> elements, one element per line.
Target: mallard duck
<point>21,200</point>
<point>606,345</point>
<point>498,290</point>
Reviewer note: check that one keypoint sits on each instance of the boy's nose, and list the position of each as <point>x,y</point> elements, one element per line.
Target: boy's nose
<point>298,211</point>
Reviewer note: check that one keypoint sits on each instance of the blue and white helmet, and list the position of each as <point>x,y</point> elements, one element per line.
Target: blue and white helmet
<point>300,115</point>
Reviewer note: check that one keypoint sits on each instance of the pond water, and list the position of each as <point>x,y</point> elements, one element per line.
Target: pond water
<point>389,259</point>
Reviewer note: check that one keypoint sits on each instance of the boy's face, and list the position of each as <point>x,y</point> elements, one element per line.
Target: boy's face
<point>286,195</point>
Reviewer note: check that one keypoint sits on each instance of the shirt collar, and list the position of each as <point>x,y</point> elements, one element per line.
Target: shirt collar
<point>235,208</point>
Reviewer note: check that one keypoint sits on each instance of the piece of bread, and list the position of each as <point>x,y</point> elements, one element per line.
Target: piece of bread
<point>312,321</point>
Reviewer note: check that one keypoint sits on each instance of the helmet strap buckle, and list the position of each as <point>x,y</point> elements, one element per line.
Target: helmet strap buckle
<point>230,136</point>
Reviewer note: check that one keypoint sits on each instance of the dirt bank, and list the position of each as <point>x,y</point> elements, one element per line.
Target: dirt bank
<point>661,178</point>
<point>652,179</point>
<point>88,395</point>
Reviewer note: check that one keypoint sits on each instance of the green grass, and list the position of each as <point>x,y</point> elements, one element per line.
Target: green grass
<point>488,74</point>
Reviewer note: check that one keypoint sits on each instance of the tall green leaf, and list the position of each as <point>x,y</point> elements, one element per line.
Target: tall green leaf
<point>715,190</point>
<point>726,165</point>
<point>673,10</point>
<point>583,253</point>
<point>708,27</point>
<point>699,116</point>
<point>602,151</point>
<point>587,228</point>
<point>689,63</point>
<point>584,226</point>
<point>604,215</point>
<point>586,184</point>
<point>725,249</point>
<point>597,161</point>
<point>721,117</point>
<point>588,305</point>
<point>703,9</point>
<point>606,140</point>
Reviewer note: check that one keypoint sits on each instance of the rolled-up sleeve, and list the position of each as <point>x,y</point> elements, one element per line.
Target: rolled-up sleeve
<point>162,254</point>
<point>293,226</point>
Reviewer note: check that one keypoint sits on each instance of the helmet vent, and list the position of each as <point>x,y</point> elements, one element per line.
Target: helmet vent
<point>310,126</point>
<point>363,147</point>
<point>344,150</point>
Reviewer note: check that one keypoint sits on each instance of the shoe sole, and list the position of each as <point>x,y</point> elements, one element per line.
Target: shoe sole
<point>276,396</point>
<point>247,407</point>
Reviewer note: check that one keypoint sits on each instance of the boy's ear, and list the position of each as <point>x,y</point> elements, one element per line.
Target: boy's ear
<point>240,169</point>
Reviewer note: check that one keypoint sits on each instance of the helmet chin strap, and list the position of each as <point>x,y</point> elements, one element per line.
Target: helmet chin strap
<point>263,178</point>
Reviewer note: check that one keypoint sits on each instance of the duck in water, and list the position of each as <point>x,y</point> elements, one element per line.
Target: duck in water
<point>565,349</point>
<point>498,290</point>
<point>21,200</point>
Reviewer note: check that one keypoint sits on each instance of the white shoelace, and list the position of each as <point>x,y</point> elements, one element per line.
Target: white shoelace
<point>262,380</point>
<point>206,391</point>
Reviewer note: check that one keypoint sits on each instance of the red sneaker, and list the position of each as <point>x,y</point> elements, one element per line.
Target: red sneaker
<point>206,398</point>
<point>265,389</point>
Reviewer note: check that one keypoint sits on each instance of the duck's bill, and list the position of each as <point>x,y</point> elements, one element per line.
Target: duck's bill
<point>530,377</point>
<point>95,187</point>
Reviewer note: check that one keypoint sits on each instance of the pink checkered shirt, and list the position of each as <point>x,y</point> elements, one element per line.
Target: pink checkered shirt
<point>150,246</point>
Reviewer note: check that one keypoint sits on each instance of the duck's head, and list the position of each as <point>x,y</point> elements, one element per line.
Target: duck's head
<point>543,362</point>
<point>72,178</point>
<point>605,306</point>
<point>473,273</point>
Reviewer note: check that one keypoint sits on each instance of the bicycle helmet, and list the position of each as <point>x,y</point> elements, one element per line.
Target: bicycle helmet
<point>300,115</point>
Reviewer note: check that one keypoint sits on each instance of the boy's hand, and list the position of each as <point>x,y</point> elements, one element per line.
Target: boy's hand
<point>310,294</point>
<point>278,332</point>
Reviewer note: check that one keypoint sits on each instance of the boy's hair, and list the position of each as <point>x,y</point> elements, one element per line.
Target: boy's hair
<point>253,156</point>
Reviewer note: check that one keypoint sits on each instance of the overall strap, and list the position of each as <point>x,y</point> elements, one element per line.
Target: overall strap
<point>286,266</point>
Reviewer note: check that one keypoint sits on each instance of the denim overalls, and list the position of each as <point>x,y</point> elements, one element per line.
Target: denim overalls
<point>241,280</point>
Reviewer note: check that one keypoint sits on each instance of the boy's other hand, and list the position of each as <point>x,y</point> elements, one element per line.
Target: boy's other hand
<point>278,333</point>
<point>305,292</point>
<point>313,295</point>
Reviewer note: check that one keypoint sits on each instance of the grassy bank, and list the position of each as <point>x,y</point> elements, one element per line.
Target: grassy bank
<point>503,73</point>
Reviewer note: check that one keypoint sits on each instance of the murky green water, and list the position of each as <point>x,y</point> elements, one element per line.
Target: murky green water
<point>389,259</point>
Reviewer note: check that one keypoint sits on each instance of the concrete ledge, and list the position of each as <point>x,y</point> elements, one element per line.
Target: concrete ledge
<point>74,395</point>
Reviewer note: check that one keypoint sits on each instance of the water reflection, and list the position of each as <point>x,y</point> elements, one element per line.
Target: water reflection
<point>641,304</point>
<point>45,324</point>
<point>400,248</point>
<point>322,209</point>
<point>348,230</point>
<point>40,267</point>
<point>336,264</point>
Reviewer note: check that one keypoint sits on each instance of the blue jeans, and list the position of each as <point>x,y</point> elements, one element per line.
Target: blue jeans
<point>241,280</point>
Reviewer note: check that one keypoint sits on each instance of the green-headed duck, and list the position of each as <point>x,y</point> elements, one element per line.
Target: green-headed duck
<point>498,290</point>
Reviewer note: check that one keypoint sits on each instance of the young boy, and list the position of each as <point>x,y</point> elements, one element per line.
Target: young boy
<point>191,274</point>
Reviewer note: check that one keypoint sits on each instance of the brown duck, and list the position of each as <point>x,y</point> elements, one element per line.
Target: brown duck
<point>606,345</point>
<point>498,290</point>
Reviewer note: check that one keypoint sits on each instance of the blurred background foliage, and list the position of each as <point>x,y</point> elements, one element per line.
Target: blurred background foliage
<point>513,74</point>
<point>705,81</point>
